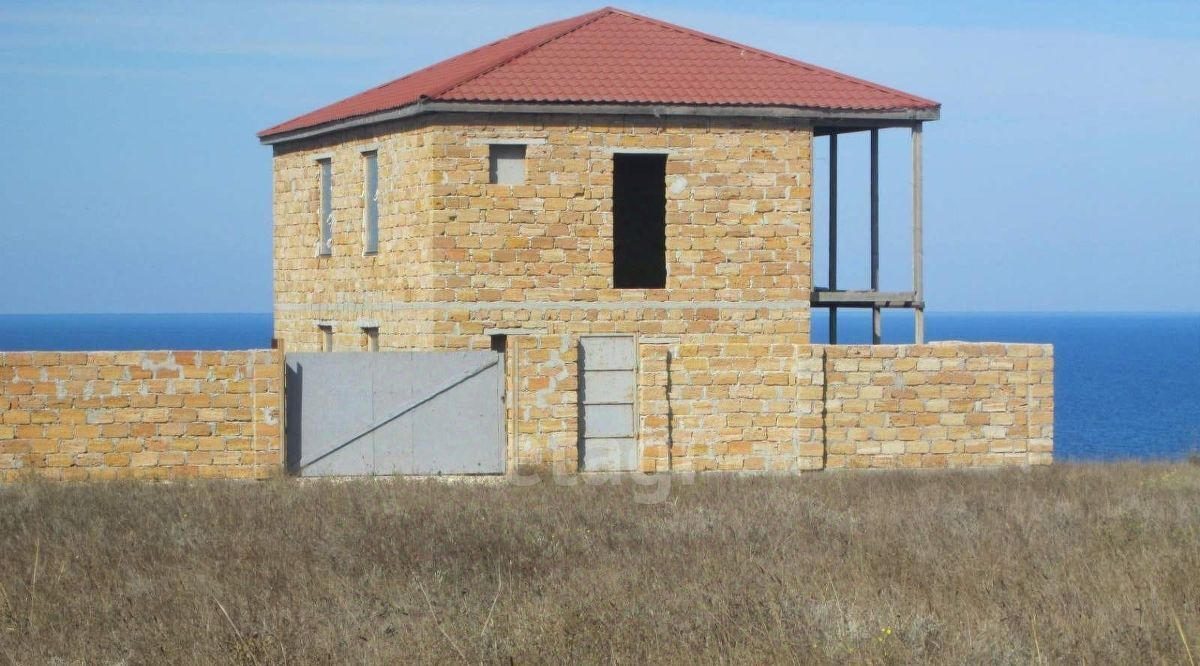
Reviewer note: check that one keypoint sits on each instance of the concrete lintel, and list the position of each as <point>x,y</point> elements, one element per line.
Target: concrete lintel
<point>477,141</point>
<point>864,298</point>
<point>617,150</point>
<point>514,331</point>
<point>541,305</point>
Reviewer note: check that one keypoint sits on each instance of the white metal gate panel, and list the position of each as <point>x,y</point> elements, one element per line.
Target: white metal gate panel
<point>375,413</point>
<point>607,389</point>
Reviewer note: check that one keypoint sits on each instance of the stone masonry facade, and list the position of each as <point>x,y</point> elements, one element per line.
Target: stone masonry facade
<point>141,414</point>
<point>459,257</point>
<point>727,377</point>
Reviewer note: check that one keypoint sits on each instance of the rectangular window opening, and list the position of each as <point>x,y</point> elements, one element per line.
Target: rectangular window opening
<point>326,211</point>
<point>371,203</point>
<point>506,164</point>
<point>371,343</point>
<point>326,338</point>
<point>639,221</point>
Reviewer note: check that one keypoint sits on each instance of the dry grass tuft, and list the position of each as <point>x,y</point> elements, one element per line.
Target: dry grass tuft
<point>1097,564</point>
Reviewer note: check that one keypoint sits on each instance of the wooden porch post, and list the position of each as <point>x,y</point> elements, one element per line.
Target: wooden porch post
<point>876,318</point>
<point>833,206</point>
<point>918,239</point>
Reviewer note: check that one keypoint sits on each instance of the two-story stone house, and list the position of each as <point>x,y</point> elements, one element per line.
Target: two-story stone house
<point>612,175</point>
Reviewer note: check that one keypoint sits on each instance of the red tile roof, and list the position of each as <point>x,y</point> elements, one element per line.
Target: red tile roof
<point>613,56</point>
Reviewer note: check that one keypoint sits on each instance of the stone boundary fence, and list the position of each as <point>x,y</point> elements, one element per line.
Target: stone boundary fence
<point>750,408</point>
<point>944,404</point>
<point>761,407</point>
<point>141,414</point>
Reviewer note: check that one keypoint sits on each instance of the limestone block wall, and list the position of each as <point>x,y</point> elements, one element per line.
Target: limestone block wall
<point>460,257</point>
<point>788,408</point>
<point>939,405</point>
<point>543,404</point>
<point>701,406</point>
<point>653,405</point>
<point>141,414</point>
<point>744,405</point>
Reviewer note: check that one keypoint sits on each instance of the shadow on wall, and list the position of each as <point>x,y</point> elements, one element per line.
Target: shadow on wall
<point>294,406</point>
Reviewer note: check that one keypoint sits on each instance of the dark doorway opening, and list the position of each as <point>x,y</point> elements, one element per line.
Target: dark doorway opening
<point>639,221</point>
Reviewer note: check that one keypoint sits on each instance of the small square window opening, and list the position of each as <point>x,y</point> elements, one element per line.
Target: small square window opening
<point>506,164</point>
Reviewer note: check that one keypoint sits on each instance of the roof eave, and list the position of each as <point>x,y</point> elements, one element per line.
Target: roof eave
<point>817,116</point>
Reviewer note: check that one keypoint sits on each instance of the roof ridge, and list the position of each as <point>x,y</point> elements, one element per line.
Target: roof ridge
<point>578,22</point>
<point>768,54</point>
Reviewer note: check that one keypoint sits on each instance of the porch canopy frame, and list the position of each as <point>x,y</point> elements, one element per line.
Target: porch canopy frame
<point>831,296</point>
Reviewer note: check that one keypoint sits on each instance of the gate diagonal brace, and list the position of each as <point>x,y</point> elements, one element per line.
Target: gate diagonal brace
<point>408,407</point>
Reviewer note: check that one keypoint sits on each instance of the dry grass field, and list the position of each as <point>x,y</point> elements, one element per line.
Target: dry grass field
<point>1079,564</point>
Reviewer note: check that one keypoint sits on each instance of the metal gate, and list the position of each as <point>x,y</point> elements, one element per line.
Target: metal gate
<point>607,386</point>
<point>375,413</point>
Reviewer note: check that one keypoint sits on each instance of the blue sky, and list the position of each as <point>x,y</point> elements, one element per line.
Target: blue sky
<point>1064,174</point>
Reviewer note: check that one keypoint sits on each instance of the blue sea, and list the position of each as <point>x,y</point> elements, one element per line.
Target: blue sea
<point>1126,385</point>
